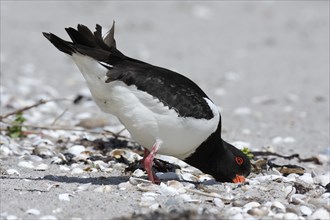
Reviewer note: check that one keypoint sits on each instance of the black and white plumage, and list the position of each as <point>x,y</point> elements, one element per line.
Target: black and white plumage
<point>164,111</point>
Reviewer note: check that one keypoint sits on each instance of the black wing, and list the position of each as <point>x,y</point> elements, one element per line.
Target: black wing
<point>172,89</point>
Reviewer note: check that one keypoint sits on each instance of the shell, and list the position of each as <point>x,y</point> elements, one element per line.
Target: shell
<point>218,202</point>
<point>12,172</point>
<point>103,189</point>
<point>64,197</point>
<point>41,167</point>
<point>138,173</point>
<point>278,205</point>
<point>127,154</point>
<point>76,149</point>
<point>33,211</point>
<point>305,210</point>
<point>26,164</point>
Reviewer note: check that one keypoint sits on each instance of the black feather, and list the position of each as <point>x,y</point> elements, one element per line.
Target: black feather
<point>60,44</point>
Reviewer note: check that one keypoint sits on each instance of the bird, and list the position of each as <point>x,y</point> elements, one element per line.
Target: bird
<point>164,111</point>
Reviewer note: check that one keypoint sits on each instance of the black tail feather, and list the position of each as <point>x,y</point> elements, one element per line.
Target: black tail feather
<point>60,44</point>
<point>109,38</point>
<point>80,39</point>
<point>88,43</point>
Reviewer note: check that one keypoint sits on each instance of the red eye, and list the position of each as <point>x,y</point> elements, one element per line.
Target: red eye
<point>239,160</point>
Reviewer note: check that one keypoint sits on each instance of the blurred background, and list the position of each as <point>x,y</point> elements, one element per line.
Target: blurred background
<point>264,63</point>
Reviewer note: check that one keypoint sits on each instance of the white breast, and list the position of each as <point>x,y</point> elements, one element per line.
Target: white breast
<point>144,116</point>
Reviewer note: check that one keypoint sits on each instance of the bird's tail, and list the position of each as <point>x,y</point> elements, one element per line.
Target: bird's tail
<point>85,42</point>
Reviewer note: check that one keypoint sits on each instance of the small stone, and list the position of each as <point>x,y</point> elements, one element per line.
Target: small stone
<point>189,177</point>
<point>239,203</point>
<point>48,217</point>
<point>318,202</point>
<point>64,168</point>
<point>289,190</point>
<point>325,195</point>
<point>11,217</point>
<point>251,205</point>
<point>167,191</point>
<point>175,184</point>
<point>26,164</point>
<point>103,189</point>
<point>76,149</point>
<point>33,211</point>
<point>278,205</point>
<point>289,140</point>
<point>138,173</point>
<point>297,198</point>
<point>83,187</point>
<point>305,211</point>
<point>124,185</point>
<point>238,216</point>
<point>12,172</point>
<point>64,197</point>
<point>323,179</point>
<point>218,202</point>
<point>154,206</point>
<point>77,170</point>
<point>147,201</point>
<point>41,167</point>
<point>291,216</point>
<point>307,178</point>
<point>320,213</point>
<point>258,211</point>
<point>277,140</point>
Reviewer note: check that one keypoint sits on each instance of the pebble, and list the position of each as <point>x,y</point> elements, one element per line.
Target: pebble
<point>64,168</point>
<point>290,216</point>
<point>33,211</point>
<point>154,206</point>
<point>138,173</point>
<point>48,217</point>
<point>325,195</point>
<point>276,204</point>
<point>307,178</point>
<point>218,202</point>
<point>64,197</point>
<point>323,179</point>
<point>147,201</point>
<point>297,198</point>
<point>26,164</point>
<point>12,172</point>
<point>305,211</point>
<point>251,205</point>
<point>124,185</point>
<point>83,187</point>
<point>77,170</point>
<point>320,213</point>
<point>167,190</point>
<point>41,167</point>
<point>258,211</point>
<point>103,189</point>
<point>289,190</point>
<point>76,149</point>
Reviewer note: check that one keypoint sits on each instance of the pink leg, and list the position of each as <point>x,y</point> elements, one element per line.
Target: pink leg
<point>148,160</point>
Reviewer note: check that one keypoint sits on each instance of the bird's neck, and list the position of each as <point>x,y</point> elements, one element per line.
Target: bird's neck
<point>211,149</point>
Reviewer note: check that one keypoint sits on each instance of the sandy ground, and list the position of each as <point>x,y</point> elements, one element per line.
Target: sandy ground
<point>265,64</point>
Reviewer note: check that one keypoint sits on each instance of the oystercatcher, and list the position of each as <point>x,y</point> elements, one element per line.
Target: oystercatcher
<point>164,111</point>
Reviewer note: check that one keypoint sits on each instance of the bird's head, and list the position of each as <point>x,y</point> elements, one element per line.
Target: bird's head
<point>234,165</point>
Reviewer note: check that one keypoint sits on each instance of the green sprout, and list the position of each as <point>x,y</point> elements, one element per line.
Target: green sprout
<point>15,130</point>
<point>247,152</point>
